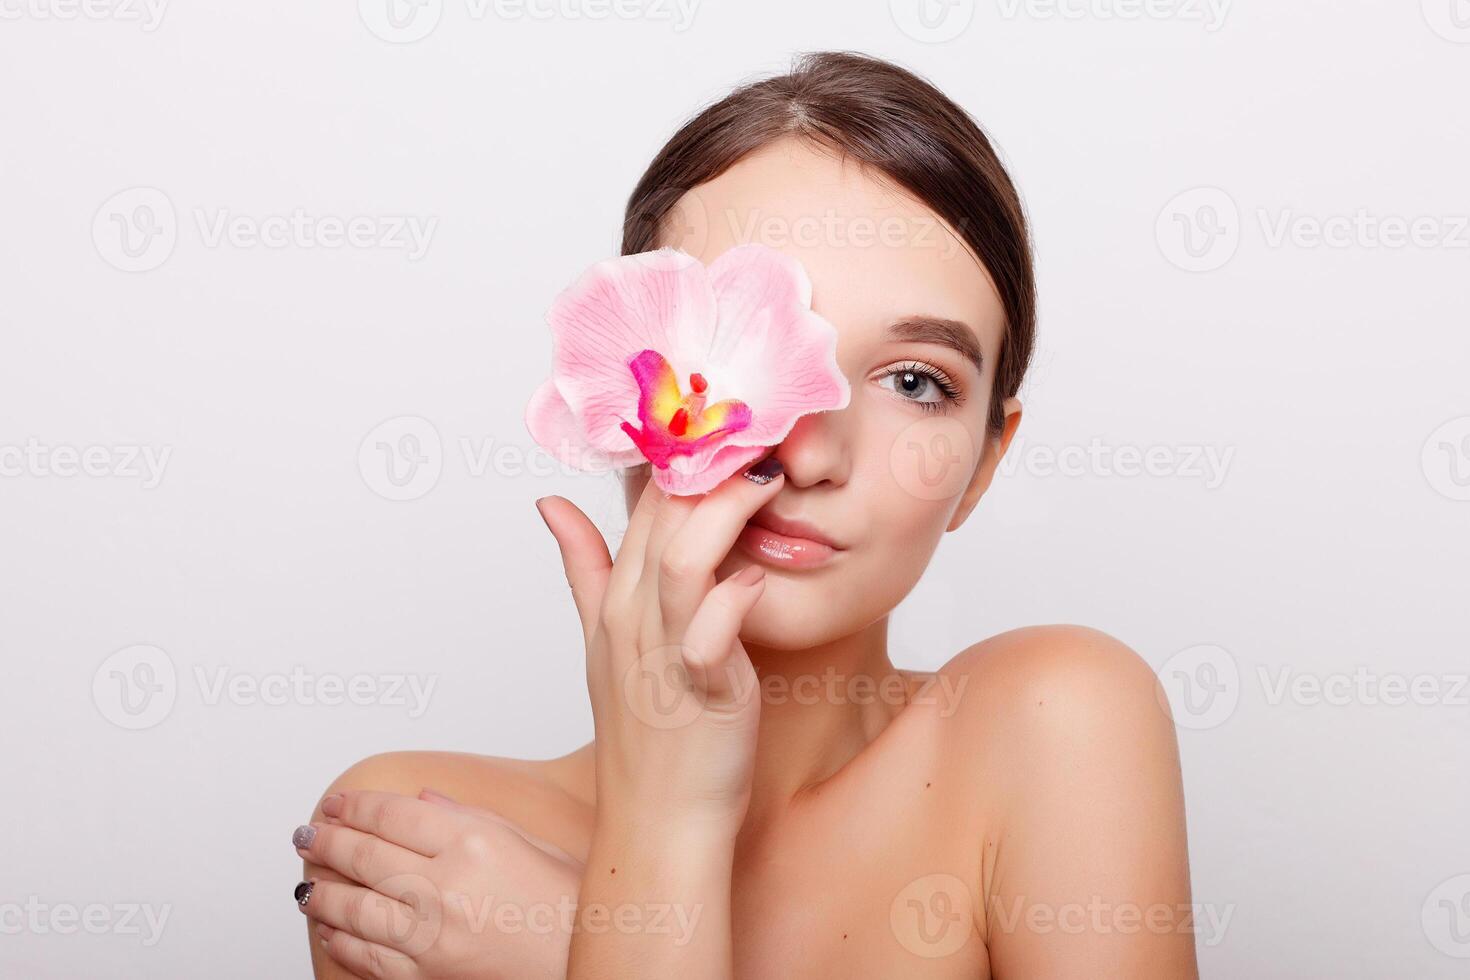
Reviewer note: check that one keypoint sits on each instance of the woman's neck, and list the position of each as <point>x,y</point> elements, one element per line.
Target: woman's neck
<point>820,707</point>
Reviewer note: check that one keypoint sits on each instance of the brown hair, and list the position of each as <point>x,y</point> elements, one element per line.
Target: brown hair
<point>885,117</point>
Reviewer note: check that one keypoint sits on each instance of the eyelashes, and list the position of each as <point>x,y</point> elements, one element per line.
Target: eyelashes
<point>949,392</point>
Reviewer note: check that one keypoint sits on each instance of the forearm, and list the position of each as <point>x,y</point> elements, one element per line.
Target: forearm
<point>654,904</point>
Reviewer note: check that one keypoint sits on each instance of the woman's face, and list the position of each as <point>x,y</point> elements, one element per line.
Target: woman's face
<point>909,457</point>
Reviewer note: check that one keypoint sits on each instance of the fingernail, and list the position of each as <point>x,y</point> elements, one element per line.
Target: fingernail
<point>324,932</point>
<point>765,471</point>
<point>750,574</point>
<point>303,836</point>
<point>332,805</point>
<point>429,795</point>
<point>303,892</point>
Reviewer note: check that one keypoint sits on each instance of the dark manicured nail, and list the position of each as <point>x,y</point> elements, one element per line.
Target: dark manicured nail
<point>765,471</point>
<point>303,836</point>
<point>303,893</point>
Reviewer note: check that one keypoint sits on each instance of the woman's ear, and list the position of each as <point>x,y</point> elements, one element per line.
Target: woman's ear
<point>990,457</point>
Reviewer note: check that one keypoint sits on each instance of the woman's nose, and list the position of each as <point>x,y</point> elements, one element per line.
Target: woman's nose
<point>816,449</point>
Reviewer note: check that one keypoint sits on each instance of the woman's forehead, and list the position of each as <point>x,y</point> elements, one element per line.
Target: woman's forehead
<point>874,252</point>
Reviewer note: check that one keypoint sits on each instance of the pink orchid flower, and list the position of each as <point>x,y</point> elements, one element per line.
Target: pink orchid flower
<point>695,369</point>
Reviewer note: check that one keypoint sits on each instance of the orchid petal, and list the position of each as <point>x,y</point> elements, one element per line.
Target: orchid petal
<point>657,300</point>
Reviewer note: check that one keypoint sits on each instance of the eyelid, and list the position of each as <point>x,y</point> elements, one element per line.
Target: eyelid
<point>949,389</point>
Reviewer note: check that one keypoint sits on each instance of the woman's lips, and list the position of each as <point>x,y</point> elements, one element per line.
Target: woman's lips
<point>784,550</point>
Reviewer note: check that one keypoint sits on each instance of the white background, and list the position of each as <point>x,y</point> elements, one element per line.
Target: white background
<point>1333,542</point>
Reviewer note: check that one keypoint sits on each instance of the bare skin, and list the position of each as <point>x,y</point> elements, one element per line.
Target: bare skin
<point>951,824</point>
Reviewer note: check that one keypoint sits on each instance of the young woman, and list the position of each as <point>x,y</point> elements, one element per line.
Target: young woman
<point>808,809</point>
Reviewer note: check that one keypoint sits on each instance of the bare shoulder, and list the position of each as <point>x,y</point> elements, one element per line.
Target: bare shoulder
<point>1058,702</point>
<point>1069,756</point>
<point>547,797</point>
<point>1061,666</point>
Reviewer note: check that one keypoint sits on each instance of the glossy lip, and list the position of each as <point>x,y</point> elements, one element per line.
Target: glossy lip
<point>786,543</point>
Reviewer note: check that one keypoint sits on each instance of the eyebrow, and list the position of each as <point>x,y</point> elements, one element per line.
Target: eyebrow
<point>936,330</point>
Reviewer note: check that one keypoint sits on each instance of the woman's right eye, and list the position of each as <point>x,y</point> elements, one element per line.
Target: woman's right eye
<point>924,385</point>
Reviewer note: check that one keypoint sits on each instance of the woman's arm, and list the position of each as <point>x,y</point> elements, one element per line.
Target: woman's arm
<point>1090,874</point>
<point>676,710</point>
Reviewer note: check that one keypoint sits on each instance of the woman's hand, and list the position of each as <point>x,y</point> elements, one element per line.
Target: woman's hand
<point>676,709</point>
<point>436,890</point>
<point>673,692</point>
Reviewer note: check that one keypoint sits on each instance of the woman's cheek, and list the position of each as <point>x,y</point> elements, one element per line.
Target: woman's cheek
<point>931,459</point>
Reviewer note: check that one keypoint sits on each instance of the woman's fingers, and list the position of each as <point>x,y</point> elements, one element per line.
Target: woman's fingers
<point>714,632</point>
<point>584,556</point>
<point>551,850</point>
<point>366,914</point>
<point>628,567</point>
<point>362,857</point>
<point>362,958</point>
<point>688,561</point>
<point>401,820</point>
